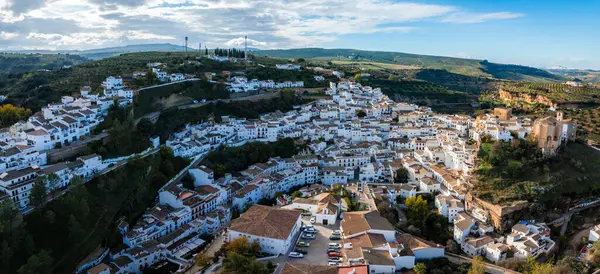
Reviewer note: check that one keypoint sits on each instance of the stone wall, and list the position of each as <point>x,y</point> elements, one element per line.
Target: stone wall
<point>501,217</point>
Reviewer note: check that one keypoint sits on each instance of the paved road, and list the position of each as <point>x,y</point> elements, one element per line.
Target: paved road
<point>490,268</point>
<point>566,218</point>
<point>168,84</point>
<point>262,96</point>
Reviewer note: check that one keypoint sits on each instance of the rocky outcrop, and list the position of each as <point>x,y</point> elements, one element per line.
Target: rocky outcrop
<point>501,217</point>
<point>510,96</point>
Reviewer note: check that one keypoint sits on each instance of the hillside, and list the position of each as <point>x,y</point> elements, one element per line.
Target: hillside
<point>102,53</point>
<point>36,89</point>
<point>585,75</point>
<point>20,63</point>
<point>470,67</point>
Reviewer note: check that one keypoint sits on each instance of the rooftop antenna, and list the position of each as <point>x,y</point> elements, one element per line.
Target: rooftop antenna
<point>199,48</point>
<point>246,48</point>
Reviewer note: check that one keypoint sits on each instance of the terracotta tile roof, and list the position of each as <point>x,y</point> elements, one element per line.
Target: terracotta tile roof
<point>268,222</point>
<point>414,243</point>
<point>357,222</point>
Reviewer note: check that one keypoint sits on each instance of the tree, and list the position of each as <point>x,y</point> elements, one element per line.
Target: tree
<point>420,268</point>
<point>202,260</point>
<point>477,266</point>
<point>361,114</point>
<point>53,180</point>
<point>296,194</point>
<point>243,247</point>
<point>40,263</point>
<point>401,176</point>
<point>10,114</point>
<point>300,60</point>
<point>38,191</point>
<point>416,210</point>
<point>235,263</point>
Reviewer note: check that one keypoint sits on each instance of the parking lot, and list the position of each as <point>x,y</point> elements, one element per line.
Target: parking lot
<point>317,251</point>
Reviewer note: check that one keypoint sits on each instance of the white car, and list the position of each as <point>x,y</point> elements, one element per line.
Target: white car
<point>309,236</point>
<point>313,220</point>
<point>336,232</point>
<point>296,255</point>
<point>310,230</point>
<point>335,260</point>
<point>333,264</point>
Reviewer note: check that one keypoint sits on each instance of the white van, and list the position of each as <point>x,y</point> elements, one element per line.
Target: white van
<point>334,245</point>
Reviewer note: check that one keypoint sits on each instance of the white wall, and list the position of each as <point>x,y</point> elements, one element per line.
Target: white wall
<point>429,253</point>
<point>376,269</point>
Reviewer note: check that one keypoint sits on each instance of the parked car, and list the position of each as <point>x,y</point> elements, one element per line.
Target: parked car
<point>309,236</point>
<point>313,220</point>
<point>334,245</point>
<point>195,101</point>
<point>306,227</point>
<point>332,250</point>
<point>336,260</point>
<point>306,214</point>
<point>310,230</point>
<point>296,255</point>
<point>336,232</point>
<point>203,100</point>
<point>301,251</point>
<point>335,254</point>
<point>334,238</point>
<point>333,264</point>
<point>303,244</point>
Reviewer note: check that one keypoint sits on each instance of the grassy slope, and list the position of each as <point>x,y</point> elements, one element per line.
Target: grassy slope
<point>21,63</point>
<point>469,67</point>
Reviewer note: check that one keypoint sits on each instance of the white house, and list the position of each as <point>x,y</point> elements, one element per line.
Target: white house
<point>449,206</point>
<point>273,228</point>
<point>594,234</point>
<point>325,207</point>
<point>496,252</point>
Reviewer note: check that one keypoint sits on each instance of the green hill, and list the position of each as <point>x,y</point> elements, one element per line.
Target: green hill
<point>469,67</point>
<point>20,62</point>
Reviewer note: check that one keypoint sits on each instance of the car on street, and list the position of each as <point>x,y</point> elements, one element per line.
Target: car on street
<point>335,254</point>
<point>334,238</point>
<point>313,220</point>
<point>332,250</point>
<point>304,227</point>
<point>335,260</point>
<point>301,251</point>
<point>336,232</point>
<point>310,230</point>
<point>333,264</point>
<point>306,214</point>
<point>309,236</point>
<point>334,245</point>
<point>303,244</point>
<point>296,255</point>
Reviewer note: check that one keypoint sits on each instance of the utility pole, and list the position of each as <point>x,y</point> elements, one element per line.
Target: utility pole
<point>186,45</point>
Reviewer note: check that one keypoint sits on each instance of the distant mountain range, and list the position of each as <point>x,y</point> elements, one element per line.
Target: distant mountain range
<point>102,53</point>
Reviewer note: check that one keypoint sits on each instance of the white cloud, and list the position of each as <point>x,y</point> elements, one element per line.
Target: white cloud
<point>8,35</point>
<point>239,42</point>
<point>470,18</point>
<point>269,23</point>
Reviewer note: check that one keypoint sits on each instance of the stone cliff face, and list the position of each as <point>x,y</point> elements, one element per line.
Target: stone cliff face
<point>501,217</point>
<point>506,95</point>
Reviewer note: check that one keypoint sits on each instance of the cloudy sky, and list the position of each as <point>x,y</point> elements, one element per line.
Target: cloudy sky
<point>534,32</point>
